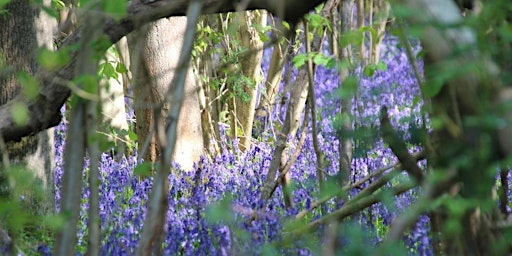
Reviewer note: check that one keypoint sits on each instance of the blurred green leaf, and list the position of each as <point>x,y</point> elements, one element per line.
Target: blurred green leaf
<point>29,85</point>
<point>299,60</point>
<point>53,60</point>
<point>19,112</point>
<point>143,169</point>
<point>220,212</point>
<point>354,37</point>
<point>116,8</point>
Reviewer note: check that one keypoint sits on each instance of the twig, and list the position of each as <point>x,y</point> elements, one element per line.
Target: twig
<point>418,156</point>
<point>351,208</point>
<point>312,108</point>
<point>434,188</point>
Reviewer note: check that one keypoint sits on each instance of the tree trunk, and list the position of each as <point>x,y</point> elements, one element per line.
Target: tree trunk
<point>382,9</point>
<point>274,75</point>
<point>345,145</point>
<point>251,68</point>
<point>23,29</point>
<point>112,104</point>
<point>298,96</point>
<point>155,49</point>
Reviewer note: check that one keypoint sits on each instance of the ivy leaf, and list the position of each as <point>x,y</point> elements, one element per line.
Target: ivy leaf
<point>120,68</point>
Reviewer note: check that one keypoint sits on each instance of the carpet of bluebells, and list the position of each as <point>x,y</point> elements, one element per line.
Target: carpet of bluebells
<point>210,208</point>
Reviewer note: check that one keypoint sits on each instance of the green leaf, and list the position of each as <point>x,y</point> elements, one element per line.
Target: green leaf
<point>4,2</point>
<point>354,37</point>
<point>299,60</point>
<point>432,88</point>
<point>108,70</point>
<point>348,87</point>
<point>29,85</point>
<point>19,112</point>
<point>116,8</point>
<point>121,68</point>
<point>382,66</point>
<point>370,69</point>
<point>143,169</point>
<point>53,60</point>
<point>221,212</point>
<point>132,135</point>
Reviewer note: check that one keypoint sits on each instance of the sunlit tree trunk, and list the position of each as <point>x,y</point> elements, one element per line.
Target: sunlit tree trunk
<point>244,102</point>
<point>24,28</point>
<point>155,49</point>
<point>274,76</point>
<point>112,103</point>
<point>360,5</point>
<point>381,10</point>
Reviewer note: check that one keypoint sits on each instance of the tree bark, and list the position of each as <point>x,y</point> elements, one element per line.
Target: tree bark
<point>251,68</point>
<point>113,105</point>
<point>154,57</point>
<point>297,101</point>
<point>274,77</point>
<point>23,29</point>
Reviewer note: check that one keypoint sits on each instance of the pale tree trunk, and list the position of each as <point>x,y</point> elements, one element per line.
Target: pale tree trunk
<point>23,29</point>
<point>241,125</point>
<point>360,23</point>
<point>274,76</point>
<point>381,9</point>
<point>112,105</point>
<point>153,231</point>
<point>154,52</point>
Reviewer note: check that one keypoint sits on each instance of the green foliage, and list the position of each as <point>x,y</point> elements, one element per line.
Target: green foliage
<point>22,203</point>
<point>115,8</point>
<point>352,37</point>
<point>319,59</point>
<point>19,112</point>
<point>53,60</point>
<point>370,69</point>
<point>348,87</point>
<point>143,169</point>
<point>29,85</point>
<point>220,212</point>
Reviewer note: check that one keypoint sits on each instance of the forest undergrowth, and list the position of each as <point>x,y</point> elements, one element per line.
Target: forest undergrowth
<point>211,208</point>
